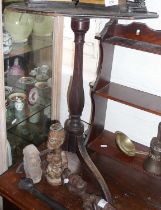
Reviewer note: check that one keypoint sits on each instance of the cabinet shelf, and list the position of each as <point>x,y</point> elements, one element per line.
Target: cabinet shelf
<point>19,117</point>
<point>35,43</point>
<point>132,97</point>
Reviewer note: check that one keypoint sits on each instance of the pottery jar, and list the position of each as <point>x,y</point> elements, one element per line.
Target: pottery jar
<point>44,92</point>
<point>19,25</point>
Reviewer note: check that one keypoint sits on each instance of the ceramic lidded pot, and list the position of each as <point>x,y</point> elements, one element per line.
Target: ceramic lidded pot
<point>19,25</point>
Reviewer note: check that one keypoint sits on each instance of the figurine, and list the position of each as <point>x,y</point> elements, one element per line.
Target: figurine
<point>16,69</point>
<point>32,163</point>
<point>14,73</point>
<point>57,159</point>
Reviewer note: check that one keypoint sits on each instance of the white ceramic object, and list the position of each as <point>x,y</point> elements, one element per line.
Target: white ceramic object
<point>19,105</point>
<point>7,42</point>
<point>19,25</point>
<point>43,25</point>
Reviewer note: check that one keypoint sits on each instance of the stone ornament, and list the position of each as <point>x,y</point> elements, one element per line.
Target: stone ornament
<point>32,163</point>
<point>57,159</point>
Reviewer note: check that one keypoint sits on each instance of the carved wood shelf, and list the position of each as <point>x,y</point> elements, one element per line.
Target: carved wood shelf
<point>126,172</point>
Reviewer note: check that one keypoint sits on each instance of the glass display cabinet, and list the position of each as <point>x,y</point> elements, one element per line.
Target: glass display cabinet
<point>29,77</point>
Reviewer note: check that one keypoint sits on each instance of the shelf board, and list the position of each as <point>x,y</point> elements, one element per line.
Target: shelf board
<point>127,173</point>
<point>135,44</point>
<point>108,138</point>
<point>36,43</point>
<point>132,97</point>
<point>69,9</point>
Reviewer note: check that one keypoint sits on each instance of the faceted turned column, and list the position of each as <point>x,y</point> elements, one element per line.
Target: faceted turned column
<point>73,126</point>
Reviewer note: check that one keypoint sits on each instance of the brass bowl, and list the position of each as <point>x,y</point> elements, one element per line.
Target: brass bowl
<point>126,145</point>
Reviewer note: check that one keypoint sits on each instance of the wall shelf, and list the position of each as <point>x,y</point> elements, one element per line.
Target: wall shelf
<point>122,173</point>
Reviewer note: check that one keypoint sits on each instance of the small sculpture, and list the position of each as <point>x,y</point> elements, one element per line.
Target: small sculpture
<point>77,185</point>
<point>32,163</point>
<point>57,159</point>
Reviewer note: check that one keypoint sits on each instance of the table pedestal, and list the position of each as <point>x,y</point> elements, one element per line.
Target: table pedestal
<point>73,126</point>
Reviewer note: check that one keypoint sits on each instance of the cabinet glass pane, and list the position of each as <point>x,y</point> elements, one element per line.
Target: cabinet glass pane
<point>28,73</point>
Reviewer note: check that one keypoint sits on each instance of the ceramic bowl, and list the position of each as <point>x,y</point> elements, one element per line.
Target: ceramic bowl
<point>13,97</point>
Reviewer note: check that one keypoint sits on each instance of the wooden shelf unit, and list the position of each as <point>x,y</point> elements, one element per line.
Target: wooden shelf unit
<point>126,171</point>
<point>136,36</point>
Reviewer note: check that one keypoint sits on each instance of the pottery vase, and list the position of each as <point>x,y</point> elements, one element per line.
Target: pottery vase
<point>19,25</point>
<point>43,25</point>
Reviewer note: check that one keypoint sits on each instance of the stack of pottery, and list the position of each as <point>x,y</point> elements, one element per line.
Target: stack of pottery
<point>42,73</point>
<point>7,42</point>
